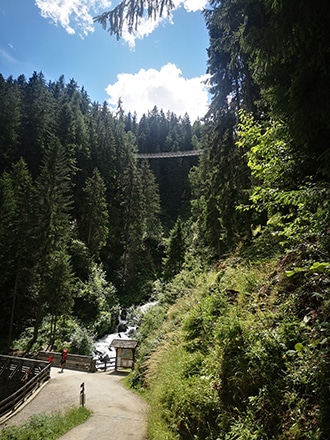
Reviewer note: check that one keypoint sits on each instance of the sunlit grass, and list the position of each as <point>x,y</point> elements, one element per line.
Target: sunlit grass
<point>50,427</point>
<point>225,355</point>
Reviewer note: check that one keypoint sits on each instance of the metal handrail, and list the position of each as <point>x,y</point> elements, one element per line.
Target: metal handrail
<point>12,402</point>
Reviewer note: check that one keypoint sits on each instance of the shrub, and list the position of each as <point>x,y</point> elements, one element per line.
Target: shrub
<point>81,341</point>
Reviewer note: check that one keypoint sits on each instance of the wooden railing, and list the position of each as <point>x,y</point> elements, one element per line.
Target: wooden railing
<point>74,361</point>
<point>104,363</point>
<point>16,399</point>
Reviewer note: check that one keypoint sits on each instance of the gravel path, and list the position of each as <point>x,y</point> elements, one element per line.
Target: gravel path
<point>118,414</point>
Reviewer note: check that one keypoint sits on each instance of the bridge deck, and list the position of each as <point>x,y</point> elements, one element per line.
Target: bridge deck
<point>164,155</point>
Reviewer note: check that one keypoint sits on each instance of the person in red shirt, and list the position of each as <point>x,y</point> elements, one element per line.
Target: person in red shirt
<point>64,356</point>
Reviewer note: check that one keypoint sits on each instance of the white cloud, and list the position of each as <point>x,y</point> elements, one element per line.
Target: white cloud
<point>77,15</point>
<point>167,89</point>
<point>6,56</point>
<point>191,5</point>
<point>147,26</point>
<point>72,15</point>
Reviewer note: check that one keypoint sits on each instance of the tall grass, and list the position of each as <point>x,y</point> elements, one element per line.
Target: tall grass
<point>46,427</point>
<point>242,353</point>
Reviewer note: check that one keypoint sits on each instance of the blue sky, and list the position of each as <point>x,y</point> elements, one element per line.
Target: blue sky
<point>164,64</point>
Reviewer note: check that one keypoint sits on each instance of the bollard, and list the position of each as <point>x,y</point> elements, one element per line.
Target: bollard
<point>82,394</point>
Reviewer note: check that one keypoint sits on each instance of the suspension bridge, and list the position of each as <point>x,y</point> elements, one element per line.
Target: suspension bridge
<point>168,154</point>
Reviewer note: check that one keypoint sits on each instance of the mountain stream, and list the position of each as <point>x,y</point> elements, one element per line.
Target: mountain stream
<point>125,329</point>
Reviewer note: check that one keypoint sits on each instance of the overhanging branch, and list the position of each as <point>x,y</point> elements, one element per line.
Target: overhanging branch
<point>131,13</point>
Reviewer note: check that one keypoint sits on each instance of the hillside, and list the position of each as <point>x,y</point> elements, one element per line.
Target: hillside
<point>240,351</point>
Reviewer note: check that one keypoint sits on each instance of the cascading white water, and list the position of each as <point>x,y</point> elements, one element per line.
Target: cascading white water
<point>127,322</point>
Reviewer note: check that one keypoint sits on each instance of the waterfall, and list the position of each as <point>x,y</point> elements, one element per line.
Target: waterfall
<point>127,325</point>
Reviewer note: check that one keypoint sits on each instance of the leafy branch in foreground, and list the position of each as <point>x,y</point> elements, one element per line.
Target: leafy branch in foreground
<point>131,12</point>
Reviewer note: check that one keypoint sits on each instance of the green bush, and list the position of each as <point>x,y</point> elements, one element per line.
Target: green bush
<point>81,341</point>
<point>242,353</point>
<point>181,399</point>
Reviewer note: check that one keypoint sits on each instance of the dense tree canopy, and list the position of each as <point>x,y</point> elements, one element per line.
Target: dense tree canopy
<point>272,63</point>
<point>73,194</point>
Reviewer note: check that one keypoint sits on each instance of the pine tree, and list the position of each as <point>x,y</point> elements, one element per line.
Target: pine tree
<point>140,229</point>
<point>132,223</point>
<point>130,13</point>
<point>16,261</point>
<point>37,123</point>
<point>10,120</point>
<point>95,217</point>
<point>290,60</point>
<point>52,230</point>
<point>175,251</point>
<point>58,283</point>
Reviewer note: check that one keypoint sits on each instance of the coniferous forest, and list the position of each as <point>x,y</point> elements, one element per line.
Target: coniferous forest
<point>82,222</point>
<point>232,245</point>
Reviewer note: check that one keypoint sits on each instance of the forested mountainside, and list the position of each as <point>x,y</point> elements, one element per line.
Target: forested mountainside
<point>235,250</point>
<point>82,219</point>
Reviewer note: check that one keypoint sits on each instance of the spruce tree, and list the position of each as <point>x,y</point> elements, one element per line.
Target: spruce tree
<point>16,259</point>
<point>10,121</point>
<point>94,225</point>
<point>52,232</point>
<point>175,251</point>
<point>37,122</point>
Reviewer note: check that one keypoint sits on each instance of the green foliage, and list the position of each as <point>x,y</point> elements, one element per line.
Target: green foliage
<point>130,14</point>
<point>16,244</point>
<point>163,133</point>
<point>59,281</point>
<point>241,354</point>
<point>9,121</point>
<point>257,62</point>
<point>296,206</point>
<point>96,303</point>
<point>140,225</point>
<point>284,60</point>
<point>115,210</point>
<point>81,259</point>
<point>95,217</point>
<point>41,426</point>
<point>81,341</point>
<point>185,402</point>
<point>220,184</point>
<point>269,151</point>
<point>316,267</point>
<point>69,333</point>
<point>175,251</point>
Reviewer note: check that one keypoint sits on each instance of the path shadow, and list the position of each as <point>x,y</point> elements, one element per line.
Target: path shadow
<point>118,373</point>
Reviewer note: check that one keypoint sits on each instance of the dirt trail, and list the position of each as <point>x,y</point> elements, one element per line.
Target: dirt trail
<point>118,414</point>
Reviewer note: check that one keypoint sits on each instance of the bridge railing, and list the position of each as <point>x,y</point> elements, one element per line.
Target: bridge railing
<point>16,399</point>
<point>163,155</point>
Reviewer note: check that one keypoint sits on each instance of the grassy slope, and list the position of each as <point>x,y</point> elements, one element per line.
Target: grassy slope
<point>241,353</point>
<point>50,427</point>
